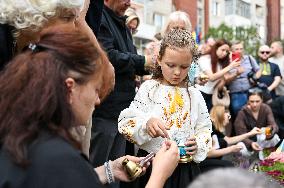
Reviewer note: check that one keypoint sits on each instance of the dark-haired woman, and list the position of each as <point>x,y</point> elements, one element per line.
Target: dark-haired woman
<point>215,65</point>
<point>256,114</point>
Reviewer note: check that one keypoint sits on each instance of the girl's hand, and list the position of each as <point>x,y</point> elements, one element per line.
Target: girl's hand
<point>255,131</point>
<point>156,128</point>
<point>255,146</point>
<point>236,148</point>
<point>191,146</point>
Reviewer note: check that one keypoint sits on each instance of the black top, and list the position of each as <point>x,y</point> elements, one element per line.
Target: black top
<point>94,15</point>
<point>222,142</point>
<point>220,136</point>
<point>277,107</point>
<point>6,44</point>
<point>269,78</point>
<point>54,163</point>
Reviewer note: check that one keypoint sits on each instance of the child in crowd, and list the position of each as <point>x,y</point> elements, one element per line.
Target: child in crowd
<point>167,107</point>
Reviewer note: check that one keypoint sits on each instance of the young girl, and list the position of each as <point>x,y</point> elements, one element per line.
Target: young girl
<point>167,107</point>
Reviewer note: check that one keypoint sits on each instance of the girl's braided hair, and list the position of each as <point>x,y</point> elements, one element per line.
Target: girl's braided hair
<point>176,39</point>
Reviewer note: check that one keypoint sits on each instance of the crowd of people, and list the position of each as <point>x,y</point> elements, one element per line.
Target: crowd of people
<point>73,115</point>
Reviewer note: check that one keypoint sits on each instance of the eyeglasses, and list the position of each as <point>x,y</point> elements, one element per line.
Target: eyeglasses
<point>265,52</point>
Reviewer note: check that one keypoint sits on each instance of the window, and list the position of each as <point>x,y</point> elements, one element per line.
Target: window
<point>259,11</point>
<point>243,9</point>
<point>229,8</point>
<point>215,8</point>
<point>199,17</point>
<point>158,20</point>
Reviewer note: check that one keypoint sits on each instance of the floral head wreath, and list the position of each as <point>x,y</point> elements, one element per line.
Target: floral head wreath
<point>181,38</point>
<point>177,38</point>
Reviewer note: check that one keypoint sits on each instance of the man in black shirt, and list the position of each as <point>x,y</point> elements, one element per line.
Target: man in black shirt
<point>116,39</point>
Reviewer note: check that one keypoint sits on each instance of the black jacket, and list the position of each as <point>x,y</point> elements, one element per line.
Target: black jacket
<point>277,107</point>
<point>53,163</point>
<point>6,44</point>
<point>94,15</point>
<point>117,41</point>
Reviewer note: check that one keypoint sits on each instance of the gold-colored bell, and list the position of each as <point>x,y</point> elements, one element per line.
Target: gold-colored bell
<point>133,169</point>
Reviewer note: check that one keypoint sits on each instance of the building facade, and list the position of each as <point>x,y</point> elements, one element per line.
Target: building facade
<point>266,15</point>
<point>152,19</point>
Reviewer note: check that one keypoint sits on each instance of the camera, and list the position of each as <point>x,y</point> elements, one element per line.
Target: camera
<point>252,78</point>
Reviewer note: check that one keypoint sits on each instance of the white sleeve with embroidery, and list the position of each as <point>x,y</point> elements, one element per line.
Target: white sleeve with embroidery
<point>203,129</point>
<point>132,121</point>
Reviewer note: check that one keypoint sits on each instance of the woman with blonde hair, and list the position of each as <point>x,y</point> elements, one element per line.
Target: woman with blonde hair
<point>132,20</point>
<point>178,19</point>
<point>221,144</point>
<point>31,16</point>
<point>22,22</point>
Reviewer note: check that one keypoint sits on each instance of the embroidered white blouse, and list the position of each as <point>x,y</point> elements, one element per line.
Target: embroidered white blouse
<point>183,110</point>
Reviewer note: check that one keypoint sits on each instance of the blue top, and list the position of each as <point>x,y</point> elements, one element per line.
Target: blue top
<point>241,83</point>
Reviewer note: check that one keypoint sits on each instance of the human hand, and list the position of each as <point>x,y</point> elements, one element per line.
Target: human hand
<point>255,146</point>
<point>202,79</point>
<point>235,148</point>
<point>166,160</point>
<point>240,70</point>
<point>119,171</point>
<point>151,61</point>
<point>191,144</point>
<point>249,107</point>
<point>234,64</point>
<point>255,131</point>
<point>156,128</point>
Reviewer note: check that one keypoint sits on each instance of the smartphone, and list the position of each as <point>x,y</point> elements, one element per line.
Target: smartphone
<point>236,55</point>
<point>146,159</point>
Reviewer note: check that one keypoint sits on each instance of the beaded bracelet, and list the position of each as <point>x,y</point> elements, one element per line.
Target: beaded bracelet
<point>109,173</point>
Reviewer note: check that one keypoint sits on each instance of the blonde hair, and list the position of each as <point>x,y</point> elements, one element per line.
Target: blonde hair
<point>217,117</point>
<point>177,16</point>
<point>33,14</point>
<point>131,15</point>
